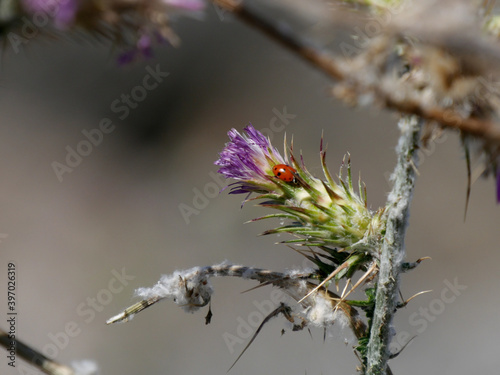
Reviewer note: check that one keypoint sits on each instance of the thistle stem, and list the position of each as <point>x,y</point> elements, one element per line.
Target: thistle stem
<point>392,252</point>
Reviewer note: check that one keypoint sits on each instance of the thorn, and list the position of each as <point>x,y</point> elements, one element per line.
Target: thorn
<point>409,299</point>
<point>285,147</point>
<point>245,200</point>
<point>337,270</point>
<point>414,167</point>
<point>392,356</point>
<point>345,288</point>
<point>409,266</point>
<point>256,287</point>
<point>280,309</point>
<point>358,283</point>
<point>303,165</point>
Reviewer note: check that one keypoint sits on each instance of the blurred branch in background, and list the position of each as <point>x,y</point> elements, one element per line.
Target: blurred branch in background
<point>434,59</point>
<point>422,59</point>
<point>15,347</point>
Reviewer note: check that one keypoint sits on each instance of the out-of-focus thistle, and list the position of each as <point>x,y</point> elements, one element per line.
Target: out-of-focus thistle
<point>325,214</point>
<point>133,25</point>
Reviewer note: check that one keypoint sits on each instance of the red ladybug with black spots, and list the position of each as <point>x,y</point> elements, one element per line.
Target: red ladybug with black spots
<point>285,173</point>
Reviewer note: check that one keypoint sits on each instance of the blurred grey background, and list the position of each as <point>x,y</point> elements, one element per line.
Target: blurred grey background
<point>119,209</point>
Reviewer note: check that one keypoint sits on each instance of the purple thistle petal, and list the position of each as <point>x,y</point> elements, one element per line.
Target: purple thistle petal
<point>239,191</point>
<point>249,158</point>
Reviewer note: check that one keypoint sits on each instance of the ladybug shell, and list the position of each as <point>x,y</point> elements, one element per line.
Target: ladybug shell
<point>284,172</point>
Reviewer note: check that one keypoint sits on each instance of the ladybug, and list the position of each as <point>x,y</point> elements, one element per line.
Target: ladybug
<point>285,173</point>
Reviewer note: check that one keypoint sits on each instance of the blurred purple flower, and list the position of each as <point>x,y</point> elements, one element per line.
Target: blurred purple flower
<point>144,45</point>
<point>143,48</point>
<point>126,57</point>
<point>62,11</point>
<point>248,158</point>
<point>66,13</point>
<point>136,26</point>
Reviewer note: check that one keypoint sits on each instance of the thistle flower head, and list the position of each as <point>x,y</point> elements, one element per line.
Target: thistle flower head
<point>249,158</point>
<point>323,213</point>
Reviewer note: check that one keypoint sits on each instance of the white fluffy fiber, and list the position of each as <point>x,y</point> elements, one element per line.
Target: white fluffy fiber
<point>188,288</point>
<point>321,312</point>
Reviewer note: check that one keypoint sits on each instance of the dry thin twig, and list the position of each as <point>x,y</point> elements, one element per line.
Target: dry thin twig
<point>335,68</point>
<point>290,284</point>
